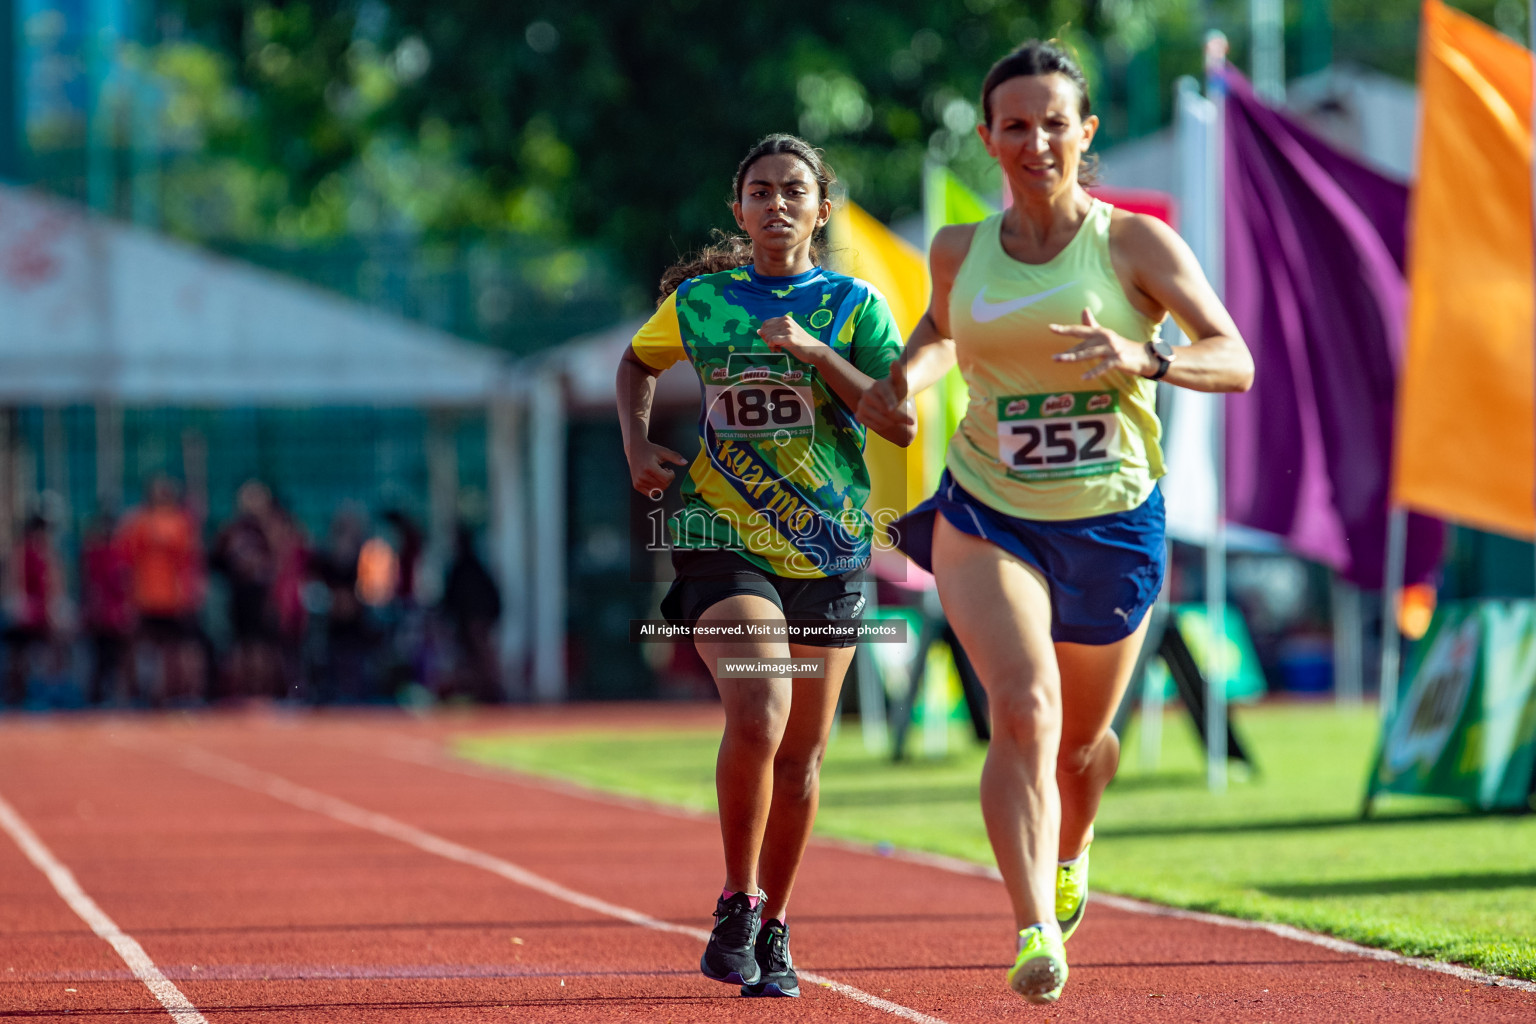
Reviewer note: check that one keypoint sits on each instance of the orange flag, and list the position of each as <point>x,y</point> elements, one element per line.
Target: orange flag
<point>1466,435</point>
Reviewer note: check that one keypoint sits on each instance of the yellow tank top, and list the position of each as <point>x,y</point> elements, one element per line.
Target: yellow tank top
<point>1037,441</point>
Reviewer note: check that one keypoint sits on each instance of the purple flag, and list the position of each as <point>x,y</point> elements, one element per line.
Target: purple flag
<point>1314,278</point>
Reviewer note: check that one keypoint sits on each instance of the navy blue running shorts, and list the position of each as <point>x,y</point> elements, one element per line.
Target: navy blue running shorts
<point>1103,572</point>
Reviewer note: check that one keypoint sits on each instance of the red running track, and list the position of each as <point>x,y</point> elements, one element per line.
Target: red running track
<point>338,868</point>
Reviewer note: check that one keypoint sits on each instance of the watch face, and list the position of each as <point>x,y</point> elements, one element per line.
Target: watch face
<point>1162,347</point>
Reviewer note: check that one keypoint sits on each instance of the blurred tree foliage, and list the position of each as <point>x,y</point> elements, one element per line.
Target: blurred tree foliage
<point>605,120</point>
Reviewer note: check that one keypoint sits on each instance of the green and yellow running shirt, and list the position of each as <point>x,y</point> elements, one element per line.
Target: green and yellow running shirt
<point>1038,441</point>
<point>780,476</point>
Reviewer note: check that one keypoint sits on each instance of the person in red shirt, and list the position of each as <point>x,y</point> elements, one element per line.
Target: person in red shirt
<point>165,558</point>
<point>35,589</point>
<point>105,584</point>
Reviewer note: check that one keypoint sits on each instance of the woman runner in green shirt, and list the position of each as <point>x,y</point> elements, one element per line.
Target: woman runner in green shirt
<point>1046,534</point>
<point>773,530</point>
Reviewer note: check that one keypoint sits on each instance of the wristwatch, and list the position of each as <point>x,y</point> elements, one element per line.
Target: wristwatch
<point>1159,349</point>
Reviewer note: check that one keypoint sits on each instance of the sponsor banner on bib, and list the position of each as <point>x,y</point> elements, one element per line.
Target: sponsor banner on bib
<point>1059,435</point>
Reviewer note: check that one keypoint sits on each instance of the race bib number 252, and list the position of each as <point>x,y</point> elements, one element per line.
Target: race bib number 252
<point>1058,436</point>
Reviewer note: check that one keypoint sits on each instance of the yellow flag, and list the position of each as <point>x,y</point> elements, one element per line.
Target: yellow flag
<point>867,249</point>
<point>1466,432</point>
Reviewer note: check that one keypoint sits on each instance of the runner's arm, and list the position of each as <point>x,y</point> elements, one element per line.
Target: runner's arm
<point>636,389</point>
<point>930,351</point>
<point>847,381</point>
<point>1163,269</point>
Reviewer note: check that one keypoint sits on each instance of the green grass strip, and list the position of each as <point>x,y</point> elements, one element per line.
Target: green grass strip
<point>1285,844</point>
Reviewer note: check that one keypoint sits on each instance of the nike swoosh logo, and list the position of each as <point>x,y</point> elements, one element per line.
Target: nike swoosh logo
<point>983,311</point>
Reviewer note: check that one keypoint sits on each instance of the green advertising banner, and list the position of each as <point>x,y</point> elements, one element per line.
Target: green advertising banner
<point>1466,724</point>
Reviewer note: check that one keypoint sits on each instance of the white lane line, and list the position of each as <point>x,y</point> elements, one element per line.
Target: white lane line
<point>279,788</point>
<point>1284,931</point>
<point>417,753</point>
<point>64,883</point>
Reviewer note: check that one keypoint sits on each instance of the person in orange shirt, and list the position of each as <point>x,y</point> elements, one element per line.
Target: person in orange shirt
<point>165,559</point>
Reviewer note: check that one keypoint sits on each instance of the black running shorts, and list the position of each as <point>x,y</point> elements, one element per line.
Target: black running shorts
<point>707,577</point>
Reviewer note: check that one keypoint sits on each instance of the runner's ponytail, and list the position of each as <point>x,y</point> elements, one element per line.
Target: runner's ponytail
<point>726,252</point>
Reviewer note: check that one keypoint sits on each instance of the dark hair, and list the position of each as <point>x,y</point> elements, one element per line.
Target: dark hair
<point>1043,57</point>
<point>729,251</point>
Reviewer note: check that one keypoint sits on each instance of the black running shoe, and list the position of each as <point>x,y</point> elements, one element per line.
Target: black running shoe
<point>775,962</point>
<point>730,957</point>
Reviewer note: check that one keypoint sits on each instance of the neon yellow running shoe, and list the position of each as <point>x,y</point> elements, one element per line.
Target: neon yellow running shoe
<point>1072,893</point>
<point>1041,968</point>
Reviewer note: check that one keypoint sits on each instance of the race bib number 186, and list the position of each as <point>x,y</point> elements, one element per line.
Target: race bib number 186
<point>1057,436</point>
<point>760,409</point>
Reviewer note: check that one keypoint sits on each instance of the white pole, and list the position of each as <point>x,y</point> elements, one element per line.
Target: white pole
<point>1267,31</point>
<point>1346,643</point>
<point>1216,551</point>
<point>1216,660</point>
<point>507,472</point>
<point>933,690</point>
<point>1152,685</point>
<point>547,436</point>
<point>1391,594</point>
<point>872,713</point>
<point>442,503</point>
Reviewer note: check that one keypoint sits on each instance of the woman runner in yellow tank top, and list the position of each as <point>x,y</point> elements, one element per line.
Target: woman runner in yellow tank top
<point>1046,534</point>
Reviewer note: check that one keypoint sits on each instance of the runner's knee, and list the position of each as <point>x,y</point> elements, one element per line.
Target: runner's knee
<point>760,725</point>
<point>1026,716</point>
<point>796,774</point>
<point>1097,755</point>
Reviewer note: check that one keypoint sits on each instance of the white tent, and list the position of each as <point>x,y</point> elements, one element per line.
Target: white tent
<point>97,312</point>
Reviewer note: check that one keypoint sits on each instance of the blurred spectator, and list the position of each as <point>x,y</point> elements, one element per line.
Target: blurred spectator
<point>291,554</point>
<point>34,594</point>
<point>409,542</point>
<point>346,672</point>
<point>378,572</point>
<point>105,588</point>
<point>410,641</point>
<point>243,552</point>
<point>166,564</point>
<point>472,604</point>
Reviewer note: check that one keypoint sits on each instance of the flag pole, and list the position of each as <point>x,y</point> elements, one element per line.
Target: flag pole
<point>1216,549</point>
<point>1266,27</point>
<point>1346,642</point>
<point>1391,594</point>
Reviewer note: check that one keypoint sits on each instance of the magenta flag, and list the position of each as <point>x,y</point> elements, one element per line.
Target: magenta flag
<point>1315,246</point>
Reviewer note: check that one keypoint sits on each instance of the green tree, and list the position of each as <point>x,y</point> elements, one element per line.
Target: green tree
<point>621,122</point>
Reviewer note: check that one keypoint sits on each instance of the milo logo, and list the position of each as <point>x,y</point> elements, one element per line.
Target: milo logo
<point>756,373</point>
<point>792,376</point>
<point>1098,402</point>
<point>1017,407</point>
<point>719,373</point>
<point>1056,405</point>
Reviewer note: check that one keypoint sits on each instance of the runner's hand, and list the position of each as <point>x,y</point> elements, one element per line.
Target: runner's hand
<point>647,468</point>
<point>784,334</point>
<point>1111,350</point>
<point>886,406</point>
